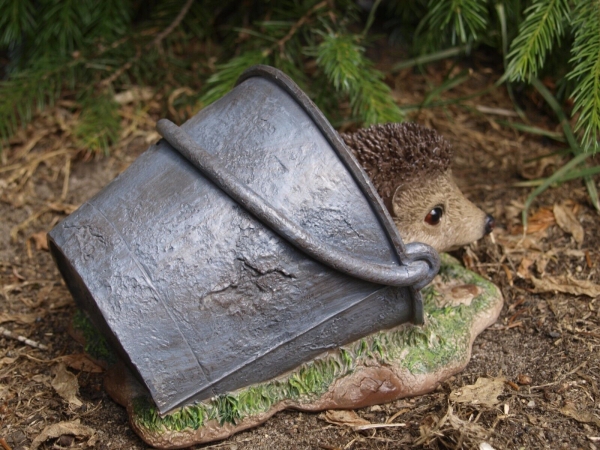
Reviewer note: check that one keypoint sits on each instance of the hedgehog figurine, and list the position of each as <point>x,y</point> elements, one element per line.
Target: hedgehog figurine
<point>409,166</point>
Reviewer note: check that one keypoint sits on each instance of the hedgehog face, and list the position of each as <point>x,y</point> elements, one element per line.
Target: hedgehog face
<point>437,213</point>
<point>409,166</point>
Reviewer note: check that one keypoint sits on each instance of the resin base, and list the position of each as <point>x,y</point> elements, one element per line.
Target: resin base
<point>401,362</point>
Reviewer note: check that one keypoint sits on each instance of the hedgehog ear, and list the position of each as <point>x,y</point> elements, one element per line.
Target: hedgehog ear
<point>388,201</point>
<point>391,203</point>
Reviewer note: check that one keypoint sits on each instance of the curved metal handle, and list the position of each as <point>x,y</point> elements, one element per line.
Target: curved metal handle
<point>422,267</point>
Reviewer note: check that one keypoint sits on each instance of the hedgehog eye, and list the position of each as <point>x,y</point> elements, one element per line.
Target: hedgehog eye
<point>434,216</point>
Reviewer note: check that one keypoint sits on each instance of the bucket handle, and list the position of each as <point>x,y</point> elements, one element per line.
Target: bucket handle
<point>417,273</point>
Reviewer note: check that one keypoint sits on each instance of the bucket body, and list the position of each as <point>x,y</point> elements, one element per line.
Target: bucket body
<point>196,292</point>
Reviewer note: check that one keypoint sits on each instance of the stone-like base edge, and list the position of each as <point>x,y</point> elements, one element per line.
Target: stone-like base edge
<point>369,383</point>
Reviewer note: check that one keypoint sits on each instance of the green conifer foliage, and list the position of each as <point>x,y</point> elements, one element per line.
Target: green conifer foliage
<point>464,19</point>
<point>90,50</point>
<point>543,26</point>
<point>586,71</point>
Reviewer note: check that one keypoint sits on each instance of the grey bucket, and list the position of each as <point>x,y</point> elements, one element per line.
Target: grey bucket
<point>239,246</point>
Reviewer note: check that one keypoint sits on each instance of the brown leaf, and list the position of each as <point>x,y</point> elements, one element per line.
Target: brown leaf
<point>523,270</point>
<point>6,361</point>
<point>19,318</point>
<point>64,208</point>
<point>343,418</point>
<point>541,220</point>
<point>135,94</point>
<point>5,394</point>
<point>566,285</point>
<point>485,392</point>
<point>583,416</point>
<point>523,379</point>
<point>568,222</point>
<point>65,384</point>
<point>80,361</point>
<point>518,243</point>
<point>58,429</point>
<point>541,263</point>
<point>40,241</point>
<point>536,168</point>
<point>351,419</point>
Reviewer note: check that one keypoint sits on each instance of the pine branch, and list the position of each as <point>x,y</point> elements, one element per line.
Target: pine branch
<point>544,24</point>
<point>223,80</point>
<point>34,88</point>
<point>65,23</point>
<point>99,123</point>
<point>158,39</point>
<point>352,74</point>
<point>586,71</point>
<point>294,29</point>
<point>16,21</point>
<point>463,19</point>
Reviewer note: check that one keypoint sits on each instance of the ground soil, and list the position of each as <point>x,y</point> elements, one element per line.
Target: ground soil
<point>545,343</point>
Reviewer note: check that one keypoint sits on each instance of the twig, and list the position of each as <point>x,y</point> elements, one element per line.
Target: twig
<point>398,413</point>
<point>4,444</point>
<point>65,188</point>
<point>154,43</point>
<point>497,111</point>
<point>174,24</point>
<point>23,339</point>
<point>372,426</point>
<point>14,231</point>
<point>562,378</point>
<point>295,27</point>
<point>121,70</point>
<point>34,161</point>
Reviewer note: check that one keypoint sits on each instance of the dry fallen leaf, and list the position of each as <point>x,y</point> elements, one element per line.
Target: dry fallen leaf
<point>3,392</point>
<point>485,392</point>
<point>80,361</point>
<point>469,430</point>
<point>42,379</point>
<point>566,285</point>
<point>523,379</point>
<point>535,168</point>
<point>541,263</point>
<point>568,222</point>
<point>136,93</point>
<point>485,446</point>
<point>18,318</point>
<point>540,221</point>
<point>523,270</point>
<point>583,416</point>
<point>64,208</point>
<point>40,241</point>
<point>59,429</point>
<point>518,243</point>
<point>6,361</point>
<point>343,417</point>
<point>353,420</point>
<point>65,384</point>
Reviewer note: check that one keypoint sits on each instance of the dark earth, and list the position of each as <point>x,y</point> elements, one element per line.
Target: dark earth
<point>545,343</point>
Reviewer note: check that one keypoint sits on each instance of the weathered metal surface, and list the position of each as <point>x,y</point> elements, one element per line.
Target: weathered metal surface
<point>244,243</point>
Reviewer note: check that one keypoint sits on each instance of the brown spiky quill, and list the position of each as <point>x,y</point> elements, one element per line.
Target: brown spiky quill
<point>399,153</point>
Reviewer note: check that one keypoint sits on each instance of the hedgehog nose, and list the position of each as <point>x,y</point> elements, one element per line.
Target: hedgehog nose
<point>489,224</point>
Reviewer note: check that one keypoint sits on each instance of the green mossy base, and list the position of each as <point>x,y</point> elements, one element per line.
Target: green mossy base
<point>411,359</point>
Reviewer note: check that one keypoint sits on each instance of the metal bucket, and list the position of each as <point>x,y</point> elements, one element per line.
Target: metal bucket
<point>239,246</point>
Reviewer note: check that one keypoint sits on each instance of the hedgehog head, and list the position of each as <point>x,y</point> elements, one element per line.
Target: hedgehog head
<point>409,166</point>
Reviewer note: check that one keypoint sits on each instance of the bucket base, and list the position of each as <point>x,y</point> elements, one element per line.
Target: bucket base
<point>402,362</point>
